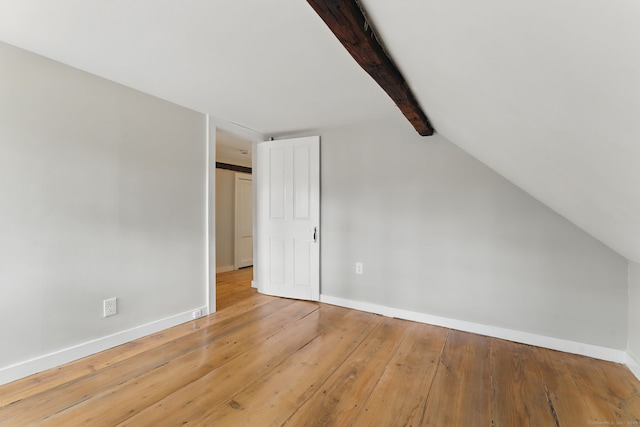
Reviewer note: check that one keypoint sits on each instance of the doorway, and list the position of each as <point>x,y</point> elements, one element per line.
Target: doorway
<point>233,206</point>
<point>234,152</point>
<point>233,217</point>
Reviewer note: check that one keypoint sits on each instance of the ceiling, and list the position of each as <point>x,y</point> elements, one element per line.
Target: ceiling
<point>271,66</point>
<point>547,93</point>
<point>233,149</point>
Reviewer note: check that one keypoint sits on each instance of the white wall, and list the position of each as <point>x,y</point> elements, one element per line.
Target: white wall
<point>102,194</point>
<point>440,233</point>
<point>225,219</point>
<point>634,311</point>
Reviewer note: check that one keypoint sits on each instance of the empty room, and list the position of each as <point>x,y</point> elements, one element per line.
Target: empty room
<point>350,212</point>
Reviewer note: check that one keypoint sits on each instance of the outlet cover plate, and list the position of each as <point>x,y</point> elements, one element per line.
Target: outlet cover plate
<point>110,307</point>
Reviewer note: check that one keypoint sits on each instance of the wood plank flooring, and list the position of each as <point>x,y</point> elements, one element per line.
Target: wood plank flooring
<point>265,361</point>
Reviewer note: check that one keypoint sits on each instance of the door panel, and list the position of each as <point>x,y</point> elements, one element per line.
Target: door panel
<point>243,221</point>
<point>301,182</point>
<point>276,183</point>
<point>302,262</point>
<point>277,261</point>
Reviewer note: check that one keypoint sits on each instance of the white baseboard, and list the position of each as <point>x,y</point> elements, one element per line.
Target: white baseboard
<point>225,268</point>
<point>597,352</point>
<point>254,284</point>
<point>633,365</point>
<point>57,358</point>
<point>52,360</point>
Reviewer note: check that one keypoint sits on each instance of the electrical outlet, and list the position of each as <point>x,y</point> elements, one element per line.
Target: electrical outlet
<point>359,268</point>
<point>197,314</point>
<point>110,307</point>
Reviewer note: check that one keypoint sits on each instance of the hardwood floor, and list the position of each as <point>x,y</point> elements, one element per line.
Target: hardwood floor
<point>264,361</point>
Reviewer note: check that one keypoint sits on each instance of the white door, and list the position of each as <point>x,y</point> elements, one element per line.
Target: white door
<point>243,222</point>
<point>289,218</point>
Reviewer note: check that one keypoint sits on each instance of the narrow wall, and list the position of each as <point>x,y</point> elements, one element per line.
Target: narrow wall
<point>440,233</point>
<point>634,310</point>
<point>102,193</point>
<point>225,219</point>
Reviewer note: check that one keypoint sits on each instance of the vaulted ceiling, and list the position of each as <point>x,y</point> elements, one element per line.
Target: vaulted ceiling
<point>547,93</point>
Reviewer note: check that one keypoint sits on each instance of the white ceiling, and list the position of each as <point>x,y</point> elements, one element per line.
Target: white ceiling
<point>269,65</point>
<point>233,149</point>
<point>547,93</point>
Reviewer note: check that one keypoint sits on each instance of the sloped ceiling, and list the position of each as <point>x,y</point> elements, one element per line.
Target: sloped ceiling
<point>547,93</point>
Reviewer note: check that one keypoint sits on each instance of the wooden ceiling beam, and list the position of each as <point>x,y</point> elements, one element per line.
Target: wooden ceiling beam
<point>347,21</point>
